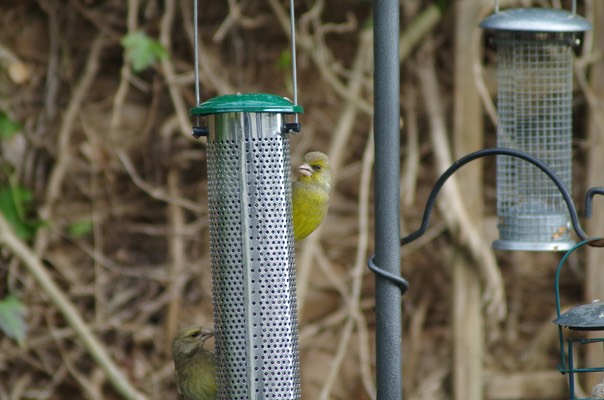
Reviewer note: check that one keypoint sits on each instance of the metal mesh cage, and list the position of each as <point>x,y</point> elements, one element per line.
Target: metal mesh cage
<point>252,252</point>
<point>534,104</point>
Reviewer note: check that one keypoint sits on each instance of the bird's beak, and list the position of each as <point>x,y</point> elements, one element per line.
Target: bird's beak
<point>305,170</point>
<point>205,335</point>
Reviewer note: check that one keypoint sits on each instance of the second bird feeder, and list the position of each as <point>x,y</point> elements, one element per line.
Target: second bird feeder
<point>534,105</point>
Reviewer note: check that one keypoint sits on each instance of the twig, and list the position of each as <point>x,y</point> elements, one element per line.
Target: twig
<point>156,192</point>
<point>211,75</point>
<point>63,150</point>
<point>125,76</point>
<point>452,205</point>
<point>320,55</point>
<point>235,16</point>
<point>176,246</point>
<point>96,349</point>
<point>333,278</point>
<point>52,83</point>
<point>418,29</point>
<point>309,331</point>
<point>481,86</point>
<point>354,312</point>
<point>342,132</point>
<point>415,339</point>
<point>165,38</point>
<point>67,366</point>
<point>409,174</point>
<point>359,269</point>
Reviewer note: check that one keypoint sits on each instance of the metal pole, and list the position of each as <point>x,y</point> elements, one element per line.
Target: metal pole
<point>387,199</point>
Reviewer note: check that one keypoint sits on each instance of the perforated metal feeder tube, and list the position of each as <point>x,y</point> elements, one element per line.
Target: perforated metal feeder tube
<point>252,246</point>
<point>534,105</point>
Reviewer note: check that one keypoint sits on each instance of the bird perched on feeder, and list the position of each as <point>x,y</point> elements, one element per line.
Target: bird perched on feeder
<point>195,367</point>
<point>310,194</point>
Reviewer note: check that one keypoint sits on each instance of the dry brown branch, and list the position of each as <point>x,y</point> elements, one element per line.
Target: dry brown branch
<point>236,17</point>
<point>334,279</point>
<point>342,132</point>
<point>359,267</point>
<point>176,246</point>
<point>64,148</point>
<point>52,82</point>
<point>157,193</point>
<point>409,173</point>
<point>414,352</point>
<point>537,385</point>
<point>96,349</point>
<point>487,101</point>
<point>546,338</point>
<point>321,56</point>
<point>165,39</point>
<point>125,78</point>
<point>210,70</point>
<point>452,205</point>
<point>418,29</point>
<point>355,317</point>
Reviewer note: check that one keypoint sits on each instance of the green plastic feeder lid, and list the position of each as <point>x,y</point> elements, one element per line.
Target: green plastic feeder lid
<point>250,102</point>
<point>536,20</point>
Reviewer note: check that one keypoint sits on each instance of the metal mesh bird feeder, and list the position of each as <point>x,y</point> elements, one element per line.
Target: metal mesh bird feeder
<point>251,238</point>
<point>582,318</point>
<point>534,105</point>
<point>251,246</point>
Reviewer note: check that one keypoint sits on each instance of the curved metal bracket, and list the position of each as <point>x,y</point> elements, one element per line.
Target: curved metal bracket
<point>399,281</point>
<point>589,196</point>
<point>501,151</point>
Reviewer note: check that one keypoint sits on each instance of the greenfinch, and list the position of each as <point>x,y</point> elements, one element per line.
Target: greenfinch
<point>310,194</point>
<point>195,367</point>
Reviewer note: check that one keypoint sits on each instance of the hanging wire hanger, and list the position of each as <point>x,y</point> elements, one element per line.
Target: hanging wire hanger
<point>290,127</point>
<point>294,127</point>
<point>198,130</point>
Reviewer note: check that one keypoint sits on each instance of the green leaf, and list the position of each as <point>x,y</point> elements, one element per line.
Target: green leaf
<point>12,321</point>
<point>14,202</point>
<point>285,60</point>
<point>142,51</point>
<point>8,127</point>
<point>80,228</point>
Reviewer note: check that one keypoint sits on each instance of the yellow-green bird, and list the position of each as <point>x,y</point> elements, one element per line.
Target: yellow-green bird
<point>195,367</point>
<point>310,194</point>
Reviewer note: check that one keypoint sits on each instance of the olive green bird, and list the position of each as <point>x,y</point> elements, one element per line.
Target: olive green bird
<point>195,367</point>
<point>310,194</point>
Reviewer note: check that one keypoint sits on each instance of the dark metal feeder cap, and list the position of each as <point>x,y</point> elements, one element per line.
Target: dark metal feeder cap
<point>247,102</point>
<point>586,317</point>
<point>536,20</point>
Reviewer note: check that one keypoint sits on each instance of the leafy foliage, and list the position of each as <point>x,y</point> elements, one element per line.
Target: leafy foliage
<point>142,51</point>
<point>8,127</point>
<point>14,202</point>
<point>12,322</point>
<point>80,228</point>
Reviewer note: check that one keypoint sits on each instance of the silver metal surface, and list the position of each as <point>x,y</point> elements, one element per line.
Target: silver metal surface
<point>252,252</point>
<point>536,20</point>
<point>534,104</point>
<point>583,317</point>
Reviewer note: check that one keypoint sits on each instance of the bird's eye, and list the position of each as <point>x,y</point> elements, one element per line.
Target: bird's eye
<point>316,167</point>
<point>195,334</point>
